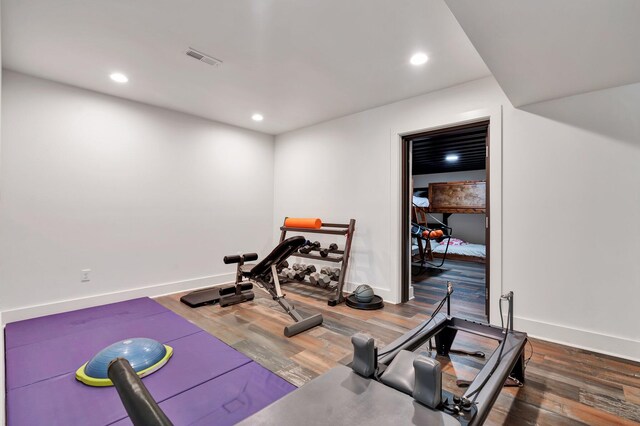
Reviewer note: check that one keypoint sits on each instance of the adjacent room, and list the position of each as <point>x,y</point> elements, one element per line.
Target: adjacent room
<point>282,213</point>
<point>449,226</point>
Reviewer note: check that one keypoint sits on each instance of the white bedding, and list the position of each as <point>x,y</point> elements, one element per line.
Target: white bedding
<point>478,250</point>
<point>421,201</point>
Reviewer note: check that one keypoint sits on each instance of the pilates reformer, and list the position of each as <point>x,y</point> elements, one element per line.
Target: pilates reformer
<point>265,275</point>
<point>399,384</point>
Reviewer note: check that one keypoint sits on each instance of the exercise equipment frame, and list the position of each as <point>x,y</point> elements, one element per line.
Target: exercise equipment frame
<point>341,256</point>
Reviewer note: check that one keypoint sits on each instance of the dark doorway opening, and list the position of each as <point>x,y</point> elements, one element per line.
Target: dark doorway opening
<point>445,216</point>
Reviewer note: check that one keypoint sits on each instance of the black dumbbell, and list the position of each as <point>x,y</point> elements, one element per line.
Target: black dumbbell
<point>310,269</point>
<point>325,251</point>
<point>334,273</point>
<point>282,266</point>
<point>299,275</point>
<point>306,249</point>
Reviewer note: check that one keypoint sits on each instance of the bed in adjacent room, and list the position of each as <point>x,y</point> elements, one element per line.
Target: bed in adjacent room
<point>466,251</point>
<point>447,198</point>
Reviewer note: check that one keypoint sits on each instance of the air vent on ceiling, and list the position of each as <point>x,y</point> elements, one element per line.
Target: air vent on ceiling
<point>203,58</point>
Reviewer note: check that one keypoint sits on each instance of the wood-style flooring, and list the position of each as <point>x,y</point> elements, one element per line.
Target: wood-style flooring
<point>468,299</point>
<point>564,386</point>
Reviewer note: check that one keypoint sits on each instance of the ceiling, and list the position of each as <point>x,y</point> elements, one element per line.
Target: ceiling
<point>429,150</point>
<point>295,62</point>
<point>548,49</point>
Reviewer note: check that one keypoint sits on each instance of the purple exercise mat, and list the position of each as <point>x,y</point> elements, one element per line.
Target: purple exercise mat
<point>62,400</point>
<point>26,364</point>
<point>227,399</point>
<point>205,381</point>
<point>52,326</point>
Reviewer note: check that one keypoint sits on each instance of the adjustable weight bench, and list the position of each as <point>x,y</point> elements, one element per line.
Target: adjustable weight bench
<point>265,275</point>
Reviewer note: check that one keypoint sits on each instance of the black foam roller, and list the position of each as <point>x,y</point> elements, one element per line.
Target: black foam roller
<point>249,257</point>
<point>142,409</point>
<point>304,325</point>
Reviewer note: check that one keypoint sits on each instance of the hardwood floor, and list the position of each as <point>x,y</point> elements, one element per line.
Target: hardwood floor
<point>565,386</point>
<point>468,299</point>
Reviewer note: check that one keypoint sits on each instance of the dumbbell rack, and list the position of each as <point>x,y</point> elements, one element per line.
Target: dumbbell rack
<point>336,256</point>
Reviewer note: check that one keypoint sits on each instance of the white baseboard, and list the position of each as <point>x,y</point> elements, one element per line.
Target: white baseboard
<point>620,347</point>
<point>155,290</point>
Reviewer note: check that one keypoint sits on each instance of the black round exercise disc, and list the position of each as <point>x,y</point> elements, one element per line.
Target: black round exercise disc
<point>352,302</point>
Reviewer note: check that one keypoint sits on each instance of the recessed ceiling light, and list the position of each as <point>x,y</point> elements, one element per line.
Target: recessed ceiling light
<point>451,157</point>
<point>257,117</point>
<point>419,59</point>
<point>119,77</point>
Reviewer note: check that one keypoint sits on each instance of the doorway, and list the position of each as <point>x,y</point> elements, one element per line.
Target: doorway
<point>445,217</point>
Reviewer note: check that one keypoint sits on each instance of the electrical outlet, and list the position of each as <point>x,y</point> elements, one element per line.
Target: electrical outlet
<point>85,275</point>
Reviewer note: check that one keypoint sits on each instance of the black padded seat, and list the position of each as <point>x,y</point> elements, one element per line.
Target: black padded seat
<point>277,256</point>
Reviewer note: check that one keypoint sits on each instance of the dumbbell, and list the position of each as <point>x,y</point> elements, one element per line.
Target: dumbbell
<point>298,266</point>
<point>306,249</point>
<point>283,266</point>
<point>325,251</point>
<point>299,275</point>
<point>319,279</point>
<point>286,273</point>
<point>334,273</point>
<point>313,278</point>
<point>310,269</point>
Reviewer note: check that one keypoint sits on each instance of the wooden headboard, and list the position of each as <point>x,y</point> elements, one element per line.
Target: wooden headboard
<point>458,197</point>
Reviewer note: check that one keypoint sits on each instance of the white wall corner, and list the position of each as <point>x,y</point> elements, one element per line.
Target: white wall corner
<point>156,290</point>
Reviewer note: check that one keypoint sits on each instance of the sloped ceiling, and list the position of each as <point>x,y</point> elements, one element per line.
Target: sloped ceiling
<point>548,49</point>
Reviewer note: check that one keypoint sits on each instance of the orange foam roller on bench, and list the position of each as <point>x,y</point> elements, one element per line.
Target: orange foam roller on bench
<point>434,234</point>
<point>303,222</point>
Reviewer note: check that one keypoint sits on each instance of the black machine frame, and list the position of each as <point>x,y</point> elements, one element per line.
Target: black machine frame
<point>402,383</point>
<point>507,361</point>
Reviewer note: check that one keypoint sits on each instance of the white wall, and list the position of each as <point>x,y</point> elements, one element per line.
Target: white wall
<point>468,227</point>
<point>355,173</point>
<point>149,199</point>
<point>554,175</point>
